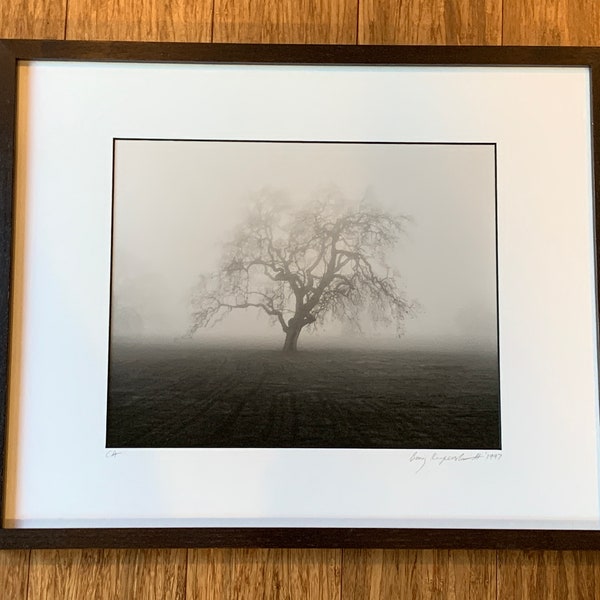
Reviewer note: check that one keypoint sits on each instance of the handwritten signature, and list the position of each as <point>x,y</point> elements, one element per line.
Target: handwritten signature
<point>422,459</point>
<point>112,453</point>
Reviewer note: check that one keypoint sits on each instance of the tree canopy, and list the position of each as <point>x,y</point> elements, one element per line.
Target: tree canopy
<point>304,265</point>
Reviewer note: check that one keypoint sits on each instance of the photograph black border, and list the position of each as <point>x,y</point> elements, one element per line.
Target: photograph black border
<point>492,144</point>
<point>14,51</point>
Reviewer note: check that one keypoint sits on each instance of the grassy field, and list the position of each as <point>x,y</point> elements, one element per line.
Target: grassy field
<point>194,396</point>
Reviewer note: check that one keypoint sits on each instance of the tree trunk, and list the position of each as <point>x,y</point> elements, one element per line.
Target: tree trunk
<point>291,339</point>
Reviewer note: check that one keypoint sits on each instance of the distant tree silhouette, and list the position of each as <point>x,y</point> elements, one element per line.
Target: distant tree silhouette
<point>304,265</point>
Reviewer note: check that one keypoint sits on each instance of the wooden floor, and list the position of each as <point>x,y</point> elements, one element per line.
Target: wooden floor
<point>303,574</point>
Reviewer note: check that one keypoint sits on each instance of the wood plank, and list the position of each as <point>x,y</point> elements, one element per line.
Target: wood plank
<point>418,575</point>
<point>70,574</point>
<point>107,574</point>
<point>209,574</point>
<point>286,21</point>
<point>36,19</point>
<point>548,575</point>
<point>439,22</point>
<point>265,574</point>
<point>313,574</point>
<point>472,574</point>
<point>552,22</point>
<point>14,571</point>
<point>147,20</point>
<point>148,574</point>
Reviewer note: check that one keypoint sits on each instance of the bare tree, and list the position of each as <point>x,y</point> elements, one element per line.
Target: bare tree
<point>301,266</point>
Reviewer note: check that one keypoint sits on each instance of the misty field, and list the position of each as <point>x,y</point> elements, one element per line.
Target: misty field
<point>194,396</point>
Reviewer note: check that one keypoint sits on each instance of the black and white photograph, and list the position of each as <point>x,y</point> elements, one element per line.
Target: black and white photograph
<point>303,294</point>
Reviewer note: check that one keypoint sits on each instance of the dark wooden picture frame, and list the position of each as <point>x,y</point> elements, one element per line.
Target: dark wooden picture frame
<point>14,51</point>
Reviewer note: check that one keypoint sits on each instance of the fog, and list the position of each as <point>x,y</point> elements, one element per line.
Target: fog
<point>175,203</point>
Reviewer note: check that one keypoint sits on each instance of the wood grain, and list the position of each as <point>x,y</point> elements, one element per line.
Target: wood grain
<point>246,574</point>
<point>14,571</point>
<point>434,22</point>
<point>107,574</point>
<point>147,20</point>
<point>286,21</point>
<point>37,19</point>
<point>209,574</point>
<point>552,22</point>
<point>548,575</point>
<point>418,575</point>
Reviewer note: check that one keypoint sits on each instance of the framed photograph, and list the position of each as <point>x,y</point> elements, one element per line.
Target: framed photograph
<point>299,295</point>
